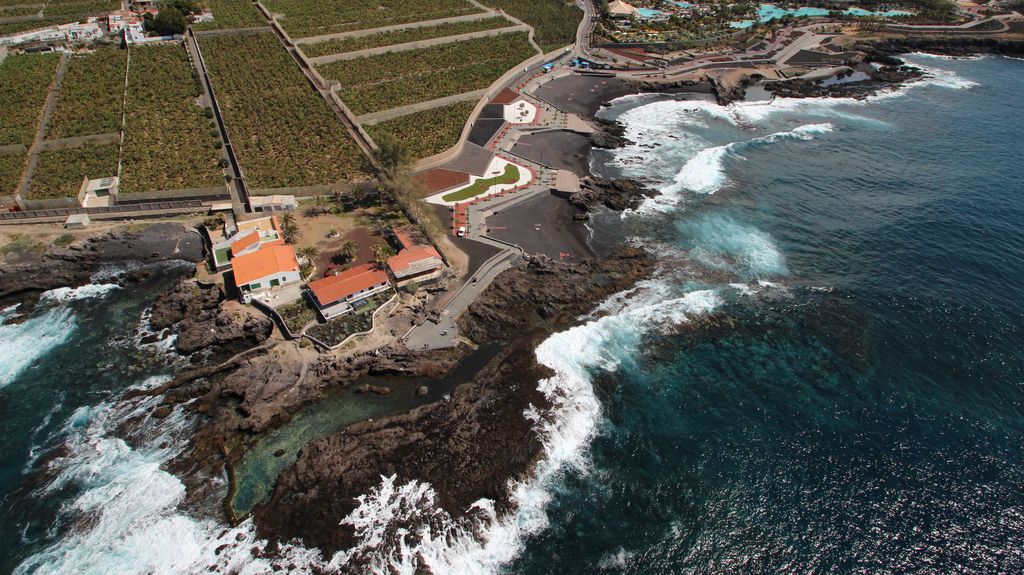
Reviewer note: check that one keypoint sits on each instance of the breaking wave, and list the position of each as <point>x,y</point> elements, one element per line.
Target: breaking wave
<point>24,343</point>
<point>612,335</point>
<point>704,173</point>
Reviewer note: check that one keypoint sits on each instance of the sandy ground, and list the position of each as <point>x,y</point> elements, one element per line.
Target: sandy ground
<point>583,95</point>
<point>542,225</point>
<point>563,150</point>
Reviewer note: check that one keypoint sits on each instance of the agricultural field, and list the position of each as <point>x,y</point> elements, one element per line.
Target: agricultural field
<point>429,132</point>
<point>12,11</point>
<point>90,95</point>
<point>283,132</point>
<point>10,172</point>
<point>169,145</point>
<point>24,83</point>
<point>71,10</point>
<point>56,12</point>
<point>302,18</point>
<point>400,78</point>
<point>351,44</point>
<point>59,173</point>
<point>554,21</point>
<point>229,14</point>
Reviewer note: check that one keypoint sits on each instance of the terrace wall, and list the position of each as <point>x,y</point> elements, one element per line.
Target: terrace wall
<point>201,194</point>
<point>310,191</point>
<point>498,85</point>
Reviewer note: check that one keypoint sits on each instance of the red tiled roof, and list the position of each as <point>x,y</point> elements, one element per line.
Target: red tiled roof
<point>331,289</point>
<point>244,242</point>
<point>506,96</point>
<point>404,237</point>
<point>411,255</point>
<point>439,180</point>
<point>263,262</point>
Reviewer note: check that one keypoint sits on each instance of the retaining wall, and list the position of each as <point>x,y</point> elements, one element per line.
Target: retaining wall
<point>498,85</point>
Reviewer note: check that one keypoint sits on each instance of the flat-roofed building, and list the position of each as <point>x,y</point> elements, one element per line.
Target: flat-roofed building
<point>242,238</point>
<point>275,203</point>
<point>335,295</point>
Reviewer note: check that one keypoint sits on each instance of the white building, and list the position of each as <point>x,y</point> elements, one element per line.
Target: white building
<point>98,193</point>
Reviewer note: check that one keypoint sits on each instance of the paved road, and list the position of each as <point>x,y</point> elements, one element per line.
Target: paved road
<point>444,332</point>
<point>384,115</point>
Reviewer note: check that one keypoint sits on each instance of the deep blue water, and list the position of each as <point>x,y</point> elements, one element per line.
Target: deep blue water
<point>824,376</point>
<point>855,401</point>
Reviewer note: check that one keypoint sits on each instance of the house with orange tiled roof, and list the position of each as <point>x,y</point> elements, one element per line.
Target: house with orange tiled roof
<point>265,268</point>
<point>414,262</point>
<point>336,295</point>
<point>238,239</point>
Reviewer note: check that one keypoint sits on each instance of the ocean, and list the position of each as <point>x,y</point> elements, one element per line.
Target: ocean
<point>824,376</point>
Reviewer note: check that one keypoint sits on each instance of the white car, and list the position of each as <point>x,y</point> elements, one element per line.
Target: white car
<point>462,231</point>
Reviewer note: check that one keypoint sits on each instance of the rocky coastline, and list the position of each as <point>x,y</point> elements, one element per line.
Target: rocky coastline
<point>27,273</point>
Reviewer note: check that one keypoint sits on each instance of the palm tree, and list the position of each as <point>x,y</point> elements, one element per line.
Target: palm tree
<point>309,253</point>
<point>381,254</point>
<point>289,229</point>
<point>320,203</point>
<point>349,249</point>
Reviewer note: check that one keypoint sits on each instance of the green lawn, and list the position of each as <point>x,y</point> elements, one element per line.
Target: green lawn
<point>510,176</point>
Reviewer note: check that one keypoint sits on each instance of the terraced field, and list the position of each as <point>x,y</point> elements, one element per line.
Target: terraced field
<point>59,173</point>
<point>351,44</point>
<point>230,14</point>
<point>90,96</point>
<point>554,21</point>
<point>302,18</point>
<point>58,12</point>
<point>395,79</point>
<point>283,132</point>
<point>10,172</point>
<point>169,144</point>
<point>24,83</point>
<point>429,132</point>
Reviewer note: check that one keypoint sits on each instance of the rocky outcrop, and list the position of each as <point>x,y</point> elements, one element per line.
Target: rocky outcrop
<point>885,50</point>
<point>195,312</point>
<point>609,134</point>
<point>25,275</point>
<point>470,446</point>
<point>726,91</point>
<point>882,78</point>
<point>614,194</point>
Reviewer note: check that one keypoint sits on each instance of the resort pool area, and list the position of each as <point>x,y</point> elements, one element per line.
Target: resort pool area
<point>647,12</point>
<point>769,12</point>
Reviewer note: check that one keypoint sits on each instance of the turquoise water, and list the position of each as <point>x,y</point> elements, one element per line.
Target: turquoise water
<point>824,376</point>
<point>648,12</point>
<point>854,403</point>
<point>769,12</point>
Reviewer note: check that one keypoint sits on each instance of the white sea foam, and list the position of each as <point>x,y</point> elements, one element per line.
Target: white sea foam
<point>82,292</point>
<point>21,344</point>
<point>133,523</point>
<point>704,173</point>
<point>566,431</point>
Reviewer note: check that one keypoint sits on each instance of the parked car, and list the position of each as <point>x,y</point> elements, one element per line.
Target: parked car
<point>462,231</point>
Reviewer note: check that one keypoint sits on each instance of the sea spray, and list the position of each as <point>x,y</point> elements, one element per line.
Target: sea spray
<point>24,343</point>
<point>704,173</point>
